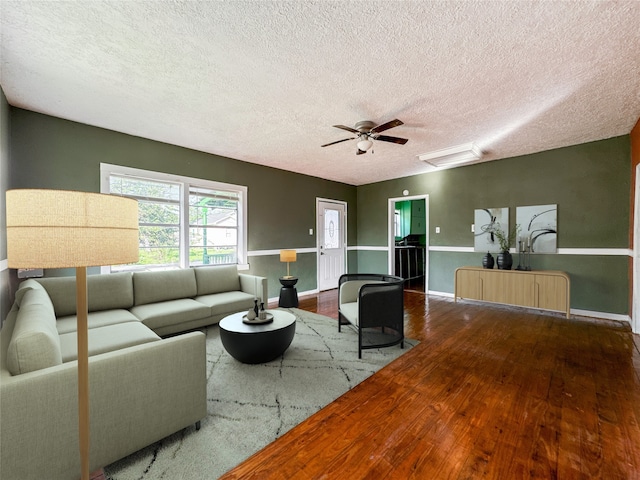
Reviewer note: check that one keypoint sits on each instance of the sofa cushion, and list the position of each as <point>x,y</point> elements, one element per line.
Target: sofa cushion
<point>62,291</point>
<point>34,344</point>
<point>109,292</point>
<point>227,302</point>
<point>161,314</point>
<point>153,287</point>
<point>107,339</point>
<point>223,278</point>
<point>349,290</point>
<point>104,292</point>
<point>350,312</point>
<point>95,320</point>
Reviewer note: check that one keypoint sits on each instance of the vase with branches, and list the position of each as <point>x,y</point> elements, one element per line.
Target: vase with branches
<point>505,239</point>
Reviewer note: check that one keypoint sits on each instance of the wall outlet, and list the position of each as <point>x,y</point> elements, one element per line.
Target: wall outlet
<point>473,228</point>
<point>437,229</point>
<point>311,231</point>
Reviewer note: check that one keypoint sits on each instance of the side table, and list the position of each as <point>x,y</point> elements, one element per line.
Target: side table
<point>288,292</point>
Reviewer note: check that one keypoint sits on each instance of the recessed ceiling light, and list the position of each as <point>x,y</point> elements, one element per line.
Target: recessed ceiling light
<point>466,153</point>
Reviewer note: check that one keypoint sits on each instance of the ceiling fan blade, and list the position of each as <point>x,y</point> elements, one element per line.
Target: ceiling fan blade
<point>386,126</point>
<point>360,152</point>
<point>338,141</point>
<point>348,129</point>
<point>386,138</point>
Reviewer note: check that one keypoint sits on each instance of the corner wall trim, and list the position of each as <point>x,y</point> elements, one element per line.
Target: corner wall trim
<point>264,253</point>
<point>441,248</point>
<point>372,248</point>
<point>593,251</point>
<point>623,252</point>
<point>4,265</point>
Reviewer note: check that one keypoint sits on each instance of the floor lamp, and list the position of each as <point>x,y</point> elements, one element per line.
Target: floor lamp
<point>63,229</point>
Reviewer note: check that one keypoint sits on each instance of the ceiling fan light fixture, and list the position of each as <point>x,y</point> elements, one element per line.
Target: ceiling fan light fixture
<point>364,145</point>
<point>458,155</point>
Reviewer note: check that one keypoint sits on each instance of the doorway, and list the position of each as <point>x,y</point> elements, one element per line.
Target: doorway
<point>331,221</point>
<point>408,236</point>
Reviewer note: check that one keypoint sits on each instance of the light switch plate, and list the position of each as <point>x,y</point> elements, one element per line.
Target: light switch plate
<point>437,229</point>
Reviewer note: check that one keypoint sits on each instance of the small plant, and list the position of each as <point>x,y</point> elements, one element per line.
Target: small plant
<point>504,239</point>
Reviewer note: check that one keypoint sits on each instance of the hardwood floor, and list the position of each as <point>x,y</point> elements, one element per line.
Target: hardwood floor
<point>490,392</point>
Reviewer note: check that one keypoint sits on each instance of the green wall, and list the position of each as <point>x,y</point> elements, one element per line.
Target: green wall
<point>590,183</point>
<point>52,153</point>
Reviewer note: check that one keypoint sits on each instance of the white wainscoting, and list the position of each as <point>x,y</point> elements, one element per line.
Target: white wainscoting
<point>560,251</point>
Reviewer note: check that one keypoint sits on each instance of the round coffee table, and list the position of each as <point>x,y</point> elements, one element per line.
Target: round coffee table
<point>257,343</point>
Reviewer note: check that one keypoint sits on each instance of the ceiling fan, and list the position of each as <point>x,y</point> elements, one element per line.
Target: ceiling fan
<point>367,131</point>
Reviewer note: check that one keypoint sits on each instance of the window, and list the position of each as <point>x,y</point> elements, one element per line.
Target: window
<point>397,223</point>
<point>184,222</point>
<point>213,226</point>
<point>331,228</point>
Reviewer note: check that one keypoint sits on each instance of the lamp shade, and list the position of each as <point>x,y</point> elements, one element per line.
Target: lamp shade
<point>364,145</point>
<point>287,255</point>
<point>61,229</point>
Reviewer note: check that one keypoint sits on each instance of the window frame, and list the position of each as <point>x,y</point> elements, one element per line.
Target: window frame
<point>186,184</point>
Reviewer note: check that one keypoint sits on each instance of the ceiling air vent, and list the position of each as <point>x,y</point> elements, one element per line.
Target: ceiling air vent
<point>447,157</point>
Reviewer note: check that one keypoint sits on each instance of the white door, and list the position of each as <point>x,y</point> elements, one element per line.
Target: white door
<point>331,221</point>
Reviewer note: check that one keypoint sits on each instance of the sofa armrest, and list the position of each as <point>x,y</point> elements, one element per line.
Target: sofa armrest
<point>138,395</point>
<point>248,284</point>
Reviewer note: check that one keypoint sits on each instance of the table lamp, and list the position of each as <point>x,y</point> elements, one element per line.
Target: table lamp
<point>288,256</point>
<point>62,229</point>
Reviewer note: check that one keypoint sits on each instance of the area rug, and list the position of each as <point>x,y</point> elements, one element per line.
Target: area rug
<point>250,406</point>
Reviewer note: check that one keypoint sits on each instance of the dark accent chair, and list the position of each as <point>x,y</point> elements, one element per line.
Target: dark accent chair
<point>374,305</point>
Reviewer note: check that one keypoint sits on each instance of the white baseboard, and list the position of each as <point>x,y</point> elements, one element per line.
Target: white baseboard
<point>441,294</point>
<point>300,294</point>
<point>574,311</point>
<point>604,315</point>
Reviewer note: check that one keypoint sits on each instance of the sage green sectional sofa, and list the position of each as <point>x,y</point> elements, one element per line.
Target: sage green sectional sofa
<point>142,387</point>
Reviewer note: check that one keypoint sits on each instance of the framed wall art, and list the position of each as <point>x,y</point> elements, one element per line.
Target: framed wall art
<point>538,227</point>
<point>486,220</point>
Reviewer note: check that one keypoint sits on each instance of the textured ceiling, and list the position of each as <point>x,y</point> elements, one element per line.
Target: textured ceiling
<point>264,81</point>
